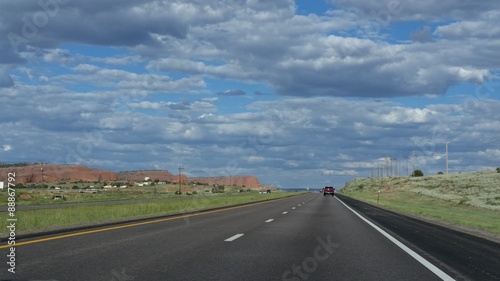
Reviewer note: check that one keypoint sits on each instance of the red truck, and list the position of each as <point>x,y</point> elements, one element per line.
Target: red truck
<point>329,190</point>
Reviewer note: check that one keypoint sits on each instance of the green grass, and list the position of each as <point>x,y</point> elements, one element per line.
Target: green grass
<point>48,219</point>
<point>452,199</point>
<point>27,196</point>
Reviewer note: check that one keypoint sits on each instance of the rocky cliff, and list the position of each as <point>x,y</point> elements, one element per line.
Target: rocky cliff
<point>56,173</point>
<point>151,174</point>
<point>36,173</point>
<point>246,181</point>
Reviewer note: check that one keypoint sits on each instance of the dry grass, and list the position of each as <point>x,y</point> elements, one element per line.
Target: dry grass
<point>478,189</point>
<point>468,199</point>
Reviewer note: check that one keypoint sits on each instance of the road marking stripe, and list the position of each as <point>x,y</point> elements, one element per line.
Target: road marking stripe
<point>269,220</point>
<point>232,238</point>
<point>135,224</point>
<point>284,213</point>
<point>293,208</point>
<point>441,274</point>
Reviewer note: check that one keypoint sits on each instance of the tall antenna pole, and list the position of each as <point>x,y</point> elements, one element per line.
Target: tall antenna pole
<point>446,143</point>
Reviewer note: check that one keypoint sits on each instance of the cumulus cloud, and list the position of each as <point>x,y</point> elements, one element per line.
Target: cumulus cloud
<point>422,35</point>
<point>5,79</point>
<point>416,11</point>
<point>151,80</point>
<point>232,93</point>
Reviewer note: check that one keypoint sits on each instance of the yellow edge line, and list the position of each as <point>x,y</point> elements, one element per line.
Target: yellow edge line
<point>134,224</point>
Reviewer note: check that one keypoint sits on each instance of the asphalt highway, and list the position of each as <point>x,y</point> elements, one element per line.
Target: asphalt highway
<point>308,237</point>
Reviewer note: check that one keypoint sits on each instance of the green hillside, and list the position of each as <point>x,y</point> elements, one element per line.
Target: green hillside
<point>470,199</point>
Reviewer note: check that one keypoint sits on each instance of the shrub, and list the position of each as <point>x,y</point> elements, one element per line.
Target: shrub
<point>498,170</point>
<point>417,173</point>
<point>440,173</point>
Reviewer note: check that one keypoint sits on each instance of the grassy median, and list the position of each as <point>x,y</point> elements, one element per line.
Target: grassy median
<point>50,219</point>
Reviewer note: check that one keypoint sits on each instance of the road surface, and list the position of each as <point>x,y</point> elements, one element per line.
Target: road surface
<point>308,237</point>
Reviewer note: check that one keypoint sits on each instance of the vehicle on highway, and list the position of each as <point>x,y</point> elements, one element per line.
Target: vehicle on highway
<point>321,190</point>
<point>59,197</point>
<point>329,190</point>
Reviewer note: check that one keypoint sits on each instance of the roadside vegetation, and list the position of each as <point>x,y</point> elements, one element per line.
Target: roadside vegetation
<point>166,202</point>
<point>470,199</point>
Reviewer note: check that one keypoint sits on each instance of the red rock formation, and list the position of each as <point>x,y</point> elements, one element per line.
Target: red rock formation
<point>55,173</point>
<point>246,181</point>
<point>153,175</point>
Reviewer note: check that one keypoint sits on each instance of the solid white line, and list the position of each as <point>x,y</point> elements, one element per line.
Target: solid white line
<point>284,213</point>
<point>269,220</point>
<point>409,251</point>
<point>234,237</point>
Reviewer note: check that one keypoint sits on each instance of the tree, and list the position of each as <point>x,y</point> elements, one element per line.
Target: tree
<point>417,173</point>
<point>440,173</point>
<point>498,170</point>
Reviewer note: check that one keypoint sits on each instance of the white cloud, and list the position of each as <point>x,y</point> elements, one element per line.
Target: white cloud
<point>147,84</point>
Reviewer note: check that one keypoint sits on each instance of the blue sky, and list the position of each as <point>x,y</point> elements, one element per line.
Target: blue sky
<point>297,93</point>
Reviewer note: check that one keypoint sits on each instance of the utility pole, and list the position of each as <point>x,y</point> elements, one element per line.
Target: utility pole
<point>180,177</point>
<point>391,168</point>
<point>41,169</point>
<point>397,167</point>
<point>413,164</point>
<point>446,143</point>
<point>387,166</point>
<point>406,165</point>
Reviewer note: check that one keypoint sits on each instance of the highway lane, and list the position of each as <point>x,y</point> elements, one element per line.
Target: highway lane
<point>307,237</point>
<point>473,258</point>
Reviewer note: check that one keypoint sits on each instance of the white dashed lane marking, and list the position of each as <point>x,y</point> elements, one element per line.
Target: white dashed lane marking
<point>269,220</point>
<point>232,238</point>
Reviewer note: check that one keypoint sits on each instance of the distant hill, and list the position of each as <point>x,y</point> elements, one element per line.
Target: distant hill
<point>244,181</point>
<point>478,189</point>
<point>37,173</point>
<point>161,175</point>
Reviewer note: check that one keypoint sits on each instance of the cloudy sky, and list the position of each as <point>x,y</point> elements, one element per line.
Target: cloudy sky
<point>298,93</point>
